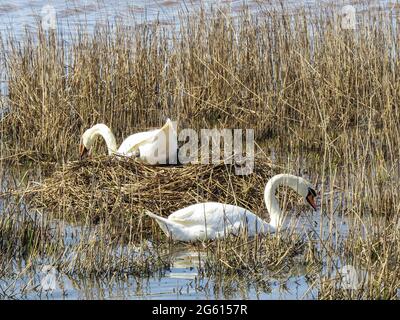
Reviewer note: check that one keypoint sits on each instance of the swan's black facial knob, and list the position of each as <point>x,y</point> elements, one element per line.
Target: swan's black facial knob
<point>312,191</point>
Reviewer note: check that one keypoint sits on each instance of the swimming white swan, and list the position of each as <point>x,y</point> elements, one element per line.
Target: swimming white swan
<point>152,147</point>
<point>211,220</point>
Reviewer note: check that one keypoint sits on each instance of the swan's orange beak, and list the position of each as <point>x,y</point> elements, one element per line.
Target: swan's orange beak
<point>311,200</point>
<point>83,151</point>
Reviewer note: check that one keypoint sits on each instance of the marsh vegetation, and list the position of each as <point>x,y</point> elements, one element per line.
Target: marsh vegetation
<point>324,104</point>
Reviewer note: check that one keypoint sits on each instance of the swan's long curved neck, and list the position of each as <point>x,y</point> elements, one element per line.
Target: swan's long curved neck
<point>105,132</point>
<point>271,202</point>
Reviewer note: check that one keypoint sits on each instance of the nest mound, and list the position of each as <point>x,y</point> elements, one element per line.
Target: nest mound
<point>107,187</point>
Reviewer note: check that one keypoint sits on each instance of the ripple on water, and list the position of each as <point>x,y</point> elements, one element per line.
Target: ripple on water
<point>8,7</point>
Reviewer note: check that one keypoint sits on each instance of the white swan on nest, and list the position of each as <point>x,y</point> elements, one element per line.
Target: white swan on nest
<point>152,147</point>
<point>211,220</point>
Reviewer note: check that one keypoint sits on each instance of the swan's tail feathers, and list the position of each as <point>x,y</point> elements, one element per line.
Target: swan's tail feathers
<point>164,224</point>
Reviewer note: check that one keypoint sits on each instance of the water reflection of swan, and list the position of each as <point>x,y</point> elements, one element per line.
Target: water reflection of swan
<point>186,263</point>
<point>151,147</point>
<point>213,220</point>
<point>48,283</point>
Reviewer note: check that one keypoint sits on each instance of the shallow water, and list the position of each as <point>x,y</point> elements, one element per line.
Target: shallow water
<point>25,14</point>
<point>181,281</point>
<point>184,279</point>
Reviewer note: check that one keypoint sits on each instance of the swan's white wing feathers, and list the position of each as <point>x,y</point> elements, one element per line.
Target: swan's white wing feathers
<point>149,138</point>
<point>135,140</point>
<point>209,213</point>
<point>212,220</point>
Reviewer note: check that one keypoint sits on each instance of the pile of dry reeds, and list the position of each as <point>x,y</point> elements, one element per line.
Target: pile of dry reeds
<point>109,188</point>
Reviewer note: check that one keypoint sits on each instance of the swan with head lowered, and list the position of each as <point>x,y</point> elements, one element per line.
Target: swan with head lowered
<point>151,147</point>
<point>212,220</point>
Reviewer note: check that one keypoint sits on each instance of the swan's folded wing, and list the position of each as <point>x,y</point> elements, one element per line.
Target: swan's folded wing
<point>184,216</point>
<point>202,213</point>
<point>134,141</point>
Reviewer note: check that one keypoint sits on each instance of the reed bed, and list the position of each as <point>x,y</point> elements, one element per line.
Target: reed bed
<point>109,189</point>
<point>323,101</point>
<point>282,75</point>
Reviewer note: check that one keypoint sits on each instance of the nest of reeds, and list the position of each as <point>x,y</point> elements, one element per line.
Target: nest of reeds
<point>108,189</point>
